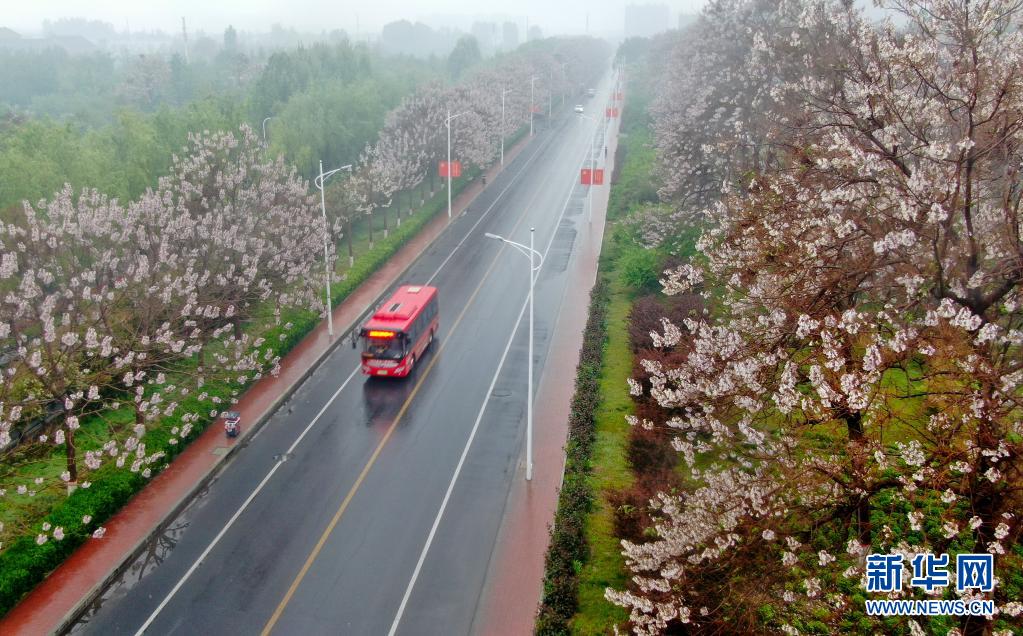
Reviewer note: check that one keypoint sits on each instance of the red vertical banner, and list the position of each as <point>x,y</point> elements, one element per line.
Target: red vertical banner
<point>608,110</point>
<point>585,176</point>
<point>455,167</point>
<point>598,176</point>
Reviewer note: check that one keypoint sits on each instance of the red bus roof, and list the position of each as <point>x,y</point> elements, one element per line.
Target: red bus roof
<point>398,312</point>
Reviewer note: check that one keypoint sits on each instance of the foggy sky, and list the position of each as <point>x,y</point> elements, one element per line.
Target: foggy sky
<point>213,16</point>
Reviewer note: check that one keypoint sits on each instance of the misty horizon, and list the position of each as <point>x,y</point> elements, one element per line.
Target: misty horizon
<point>315,16</point>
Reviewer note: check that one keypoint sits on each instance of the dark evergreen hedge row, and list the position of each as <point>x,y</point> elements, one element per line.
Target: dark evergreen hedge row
<point>568,549</point>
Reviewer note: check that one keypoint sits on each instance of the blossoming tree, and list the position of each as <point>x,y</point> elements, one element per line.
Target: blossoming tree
<point>857,387</point>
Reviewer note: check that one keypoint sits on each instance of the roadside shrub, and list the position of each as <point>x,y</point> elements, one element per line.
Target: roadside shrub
<point>647,312</point>
<point>568,549</point>
<point>649,451</point>
<point>640,269</point>
<point>24,563</point>
<point>630,507</point>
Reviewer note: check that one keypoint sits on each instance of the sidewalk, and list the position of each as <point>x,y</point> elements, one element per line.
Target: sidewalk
<point>56,602</point>
<point>514,583</point>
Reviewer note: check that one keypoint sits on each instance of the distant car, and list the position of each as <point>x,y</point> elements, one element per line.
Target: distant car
<point>590,92</point>
<point>578,108</point>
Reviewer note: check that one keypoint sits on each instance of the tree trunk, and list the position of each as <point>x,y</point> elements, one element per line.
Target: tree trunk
<point>351,249</point>
<point>988,503</point>
<point>72,462</point>
<point>854,426</point>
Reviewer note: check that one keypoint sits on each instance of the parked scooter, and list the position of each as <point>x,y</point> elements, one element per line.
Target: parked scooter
<point>232,423</point>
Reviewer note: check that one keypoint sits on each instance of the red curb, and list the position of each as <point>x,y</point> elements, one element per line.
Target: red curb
<point>514,581</point>
<point>58,600</point>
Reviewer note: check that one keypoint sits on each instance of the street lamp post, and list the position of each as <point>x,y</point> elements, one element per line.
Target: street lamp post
<point>563,82</point>
<point>326,234</point>
<point>264,128</point>
<point>503,93</point>
<point>447,122</point>
<point>531,98</point>
<point>593,165</point>
<point>550,99</point>
<point>530,253</point>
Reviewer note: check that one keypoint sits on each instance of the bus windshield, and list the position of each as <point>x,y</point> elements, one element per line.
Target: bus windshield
<point>389,347</point>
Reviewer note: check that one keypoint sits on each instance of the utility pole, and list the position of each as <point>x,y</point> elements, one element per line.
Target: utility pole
<point>184,35</point>
<point>531,99</point>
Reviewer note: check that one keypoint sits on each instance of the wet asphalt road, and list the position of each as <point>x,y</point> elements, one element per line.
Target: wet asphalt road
<point>378,460</point>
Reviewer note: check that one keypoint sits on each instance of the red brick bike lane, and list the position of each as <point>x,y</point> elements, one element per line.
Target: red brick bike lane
<point>58,600</point>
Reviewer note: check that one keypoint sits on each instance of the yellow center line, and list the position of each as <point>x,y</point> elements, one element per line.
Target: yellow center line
<point>387,435</point>
<point>376,453</point>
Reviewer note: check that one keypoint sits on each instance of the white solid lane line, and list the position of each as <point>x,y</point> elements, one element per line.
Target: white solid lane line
<point>240,510</point>
<point>472,433</point>
<point>294,445</point>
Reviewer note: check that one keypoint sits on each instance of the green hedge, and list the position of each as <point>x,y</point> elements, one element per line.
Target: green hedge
<point>568,548</point>
<point>23,564</point>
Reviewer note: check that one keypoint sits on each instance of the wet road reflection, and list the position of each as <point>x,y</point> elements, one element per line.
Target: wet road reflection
<point>156,550</point>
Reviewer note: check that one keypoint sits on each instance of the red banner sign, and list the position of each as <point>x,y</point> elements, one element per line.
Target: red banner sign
<point>456,169</point>
<point>598,176</point>
<point>612,112</point>
<point>584,177</point>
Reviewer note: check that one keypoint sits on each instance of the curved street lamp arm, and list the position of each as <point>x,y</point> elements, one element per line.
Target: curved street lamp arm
<point>520,248</point>
<point>318,181</point>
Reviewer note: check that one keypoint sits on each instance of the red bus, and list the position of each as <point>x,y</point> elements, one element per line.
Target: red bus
<point>394,337</point>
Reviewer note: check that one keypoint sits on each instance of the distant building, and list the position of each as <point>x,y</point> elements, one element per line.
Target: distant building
<point>685,19</point>
<point>73,44</point>
<point>534,33</point>
<point>644,20</point>
<point>510,32</point>
<point>485,34</point>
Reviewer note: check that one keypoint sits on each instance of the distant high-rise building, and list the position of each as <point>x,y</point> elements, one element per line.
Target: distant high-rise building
<point>534,33</point>
<point>485,34</point>
<point>644,20</point>
<point>510,32</point>
<point>685,19</point>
